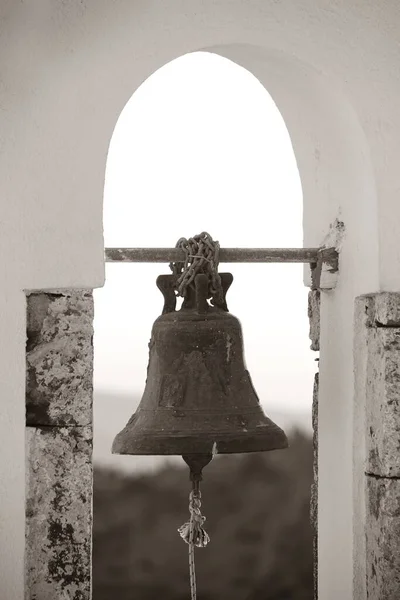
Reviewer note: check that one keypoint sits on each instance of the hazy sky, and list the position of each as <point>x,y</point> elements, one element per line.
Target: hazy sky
<point>202,146</point>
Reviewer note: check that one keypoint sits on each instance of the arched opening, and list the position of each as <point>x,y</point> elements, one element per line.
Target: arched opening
<point>202,146</point>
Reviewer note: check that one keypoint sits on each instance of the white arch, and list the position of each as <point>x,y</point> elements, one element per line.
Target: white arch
<point>69,69</point>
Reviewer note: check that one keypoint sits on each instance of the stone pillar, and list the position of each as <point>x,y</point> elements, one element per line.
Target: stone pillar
<point>59,391</point>
<point>377,360</point>
<point>314,299</point>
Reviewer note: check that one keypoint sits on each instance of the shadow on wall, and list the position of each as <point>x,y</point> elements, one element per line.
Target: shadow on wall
<point>257,509</point>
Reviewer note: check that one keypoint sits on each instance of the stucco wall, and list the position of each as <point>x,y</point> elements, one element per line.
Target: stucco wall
<point>68,68</point>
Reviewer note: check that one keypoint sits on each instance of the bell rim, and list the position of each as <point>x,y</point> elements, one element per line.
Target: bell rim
<point>223,443</point>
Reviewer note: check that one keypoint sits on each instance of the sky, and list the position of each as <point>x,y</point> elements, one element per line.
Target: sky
<point>201,146</point>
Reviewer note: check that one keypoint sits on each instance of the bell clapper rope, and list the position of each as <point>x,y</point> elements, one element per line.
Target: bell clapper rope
<point>192,532</point>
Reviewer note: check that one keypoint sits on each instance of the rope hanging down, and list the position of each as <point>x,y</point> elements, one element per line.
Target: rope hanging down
<point>202,256</point>
<point>193,533</point>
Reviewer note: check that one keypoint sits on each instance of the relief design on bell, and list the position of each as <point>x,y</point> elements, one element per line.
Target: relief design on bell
<point>195,376</point>
<point>172,390</point>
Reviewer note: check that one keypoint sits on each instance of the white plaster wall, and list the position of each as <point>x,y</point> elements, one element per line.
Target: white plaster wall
<point>68,68</point>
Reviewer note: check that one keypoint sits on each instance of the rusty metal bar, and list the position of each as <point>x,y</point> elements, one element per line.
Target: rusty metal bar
<point>226,255</point>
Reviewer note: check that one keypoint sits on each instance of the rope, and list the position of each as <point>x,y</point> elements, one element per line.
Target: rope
<point>193,533</point>
<point>201,256</point>
<point>192,567</point>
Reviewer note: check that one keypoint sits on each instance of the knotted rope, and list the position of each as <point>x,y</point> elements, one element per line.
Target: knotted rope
<point>193,533</point>
<point>201,256</point>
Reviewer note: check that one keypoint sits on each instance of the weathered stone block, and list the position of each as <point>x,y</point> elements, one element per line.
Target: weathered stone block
<point>314,507</point>
<point>382,538</point>
<point>384,309</point>
<point>314,414</point>
<point>59,358</point>
<point>314,487</point>
<point>314,301</point>
<point>315,567</point>
<point>383,402</point>
<point>315,432</point>
<point>58,513</point>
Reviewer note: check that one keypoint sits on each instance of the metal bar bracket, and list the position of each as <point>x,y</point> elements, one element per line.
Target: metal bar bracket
<point>321,260</point>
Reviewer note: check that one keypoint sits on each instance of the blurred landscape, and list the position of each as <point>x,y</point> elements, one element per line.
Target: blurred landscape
<point>257,509</point>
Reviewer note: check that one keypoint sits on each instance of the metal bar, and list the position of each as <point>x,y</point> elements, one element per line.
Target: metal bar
<point>226,255</point>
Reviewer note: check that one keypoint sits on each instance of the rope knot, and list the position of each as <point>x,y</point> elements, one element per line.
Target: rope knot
<point>192,531</point>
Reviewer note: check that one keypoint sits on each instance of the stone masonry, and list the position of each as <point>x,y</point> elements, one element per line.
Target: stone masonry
<point>314,300</point>
<point>380,355</point>
<point>59,370</point>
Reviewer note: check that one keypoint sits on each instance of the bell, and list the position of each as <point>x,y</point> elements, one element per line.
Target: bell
<point>198,398</point>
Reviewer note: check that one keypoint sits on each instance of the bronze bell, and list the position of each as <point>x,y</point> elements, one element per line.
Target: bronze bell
<point>199,398</point>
